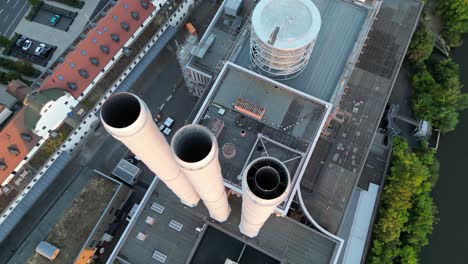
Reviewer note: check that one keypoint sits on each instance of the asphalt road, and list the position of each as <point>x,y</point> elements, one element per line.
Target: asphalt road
<point>11,12</point>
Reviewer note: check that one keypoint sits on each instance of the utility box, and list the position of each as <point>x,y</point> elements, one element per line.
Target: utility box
<point>47,250</point>
<point>232,7</point>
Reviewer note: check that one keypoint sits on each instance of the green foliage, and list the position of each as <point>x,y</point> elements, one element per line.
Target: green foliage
<point>406,213</point>
<point>72,3</point>
<point>4,42</point>
<point>36,5</point>
<point>22,67</point>
<point>438,96</point>
<point>6,77</point>
<point>35,2</point>
<point>454,14</point>
<point>421,45</point>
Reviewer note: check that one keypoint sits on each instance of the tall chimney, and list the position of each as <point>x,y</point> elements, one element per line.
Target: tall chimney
<point>265,185</point>
<point>195,149</point>
<point>127,118</point>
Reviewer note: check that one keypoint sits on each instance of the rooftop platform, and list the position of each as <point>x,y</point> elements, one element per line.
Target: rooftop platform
<point>342,23</point>
<point>280,239</point>
<point>337,163</point>
<point>72,230</point>
<point>288,128</point>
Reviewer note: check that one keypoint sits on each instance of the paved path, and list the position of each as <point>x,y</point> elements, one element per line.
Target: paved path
<point>11,13</point>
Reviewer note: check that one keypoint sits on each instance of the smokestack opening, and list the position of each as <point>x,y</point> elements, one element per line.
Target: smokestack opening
<point>121,110</point>
<point>267,178</point>
<point>192,144</point>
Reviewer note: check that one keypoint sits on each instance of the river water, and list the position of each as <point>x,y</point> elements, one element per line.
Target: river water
<point>449,241</point>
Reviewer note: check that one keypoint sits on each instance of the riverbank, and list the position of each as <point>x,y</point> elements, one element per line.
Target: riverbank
<point>448,241</point>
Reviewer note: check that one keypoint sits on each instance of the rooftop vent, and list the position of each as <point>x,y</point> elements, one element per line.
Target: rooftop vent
<point>13,149</point>
<point>144,4</point>
<point>248,108</point>
<point>94,61</point>
<point>72,86</point>
<point>3,165</point>
<point>124,26</point>
<point>83,73</point>
<point>135,15</point>
<point>115,37</point>
<point>105,49</point>
<point>26,137</point>
<point>229,150</point>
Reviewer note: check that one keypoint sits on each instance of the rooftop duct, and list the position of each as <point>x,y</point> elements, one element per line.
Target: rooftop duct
<point>265,185</point>
<point>127,118</point>
<point>195,149</point>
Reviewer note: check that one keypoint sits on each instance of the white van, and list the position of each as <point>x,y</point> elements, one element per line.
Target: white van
<point>132,212</point>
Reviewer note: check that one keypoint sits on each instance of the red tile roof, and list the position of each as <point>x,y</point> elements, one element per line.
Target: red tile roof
<point>117,19</point>
<point>11,136</point>
<point>125,15</point>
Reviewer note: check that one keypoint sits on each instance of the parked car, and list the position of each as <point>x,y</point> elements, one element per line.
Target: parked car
<point>54,20</point>
<point>27,44</point>
<point>19,42</point>
<point>39,49</point>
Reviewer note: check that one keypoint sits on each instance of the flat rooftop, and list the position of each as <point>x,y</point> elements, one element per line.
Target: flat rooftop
<point>280,239</point>
<point>216,246</point>
<point>72,230</point>
<point>342,23</point>
<point>287,130</point>
<point>341,152</point>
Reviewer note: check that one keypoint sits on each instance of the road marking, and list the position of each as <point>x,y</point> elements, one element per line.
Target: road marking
<point>1,11</point>
<point>13,21</point>
<point>8,2</point>
<point>5,18</point>
<point>15,4</point>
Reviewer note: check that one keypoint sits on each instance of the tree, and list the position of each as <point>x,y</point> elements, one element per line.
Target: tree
<point>421,45</point>
<point>406,213</point>
<point>4,41</point>
<point>454,14</point>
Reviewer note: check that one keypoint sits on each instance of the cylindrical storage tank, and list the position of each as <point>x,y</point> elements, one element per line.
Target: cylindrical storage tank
<point>283,34</point>
<point>265,185</point>
<point>127,118</point>
<point>196,151</point>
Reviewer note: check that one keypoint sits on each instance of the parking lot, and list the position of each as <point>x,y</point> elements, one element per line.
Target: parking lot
<point>47,12</point>
<point>30,55</point>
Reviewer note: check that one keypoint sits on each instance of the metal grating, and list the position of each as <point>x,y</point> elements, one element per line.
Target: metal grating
<point>175,225</point>
<point>248,108</point>
<point>159,256</point>
<point>157,207</point>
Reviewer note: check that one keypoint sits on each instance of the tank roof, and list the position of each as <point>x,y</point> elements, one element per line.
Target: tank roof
<point>295,23</point>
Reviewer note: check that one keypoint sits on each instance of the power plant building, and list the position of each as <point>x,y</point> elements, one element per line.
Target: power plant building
<point>276,94</point>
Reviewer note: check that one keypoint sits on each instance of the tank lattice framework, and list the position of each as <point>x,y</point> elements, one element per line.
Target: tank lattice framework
<point>278,63</point>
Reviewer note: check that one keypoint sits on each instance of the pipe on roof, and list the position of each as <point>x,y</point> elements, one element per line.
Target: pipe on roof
<point>196,151</point>
<point>127,118</point>
<point>265,184</point>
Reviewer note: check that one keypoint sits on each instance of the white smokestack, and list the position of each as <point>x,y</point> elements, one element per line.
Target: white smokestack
<point>127,118</point>
<point>265,185</point>
<point>195,149</point>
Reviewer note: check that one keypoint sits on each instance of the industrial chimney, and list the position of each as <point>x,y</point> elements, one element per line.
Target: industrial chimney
<point>265,185</point>
<point>127,118</point>
<point>195,149</point>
